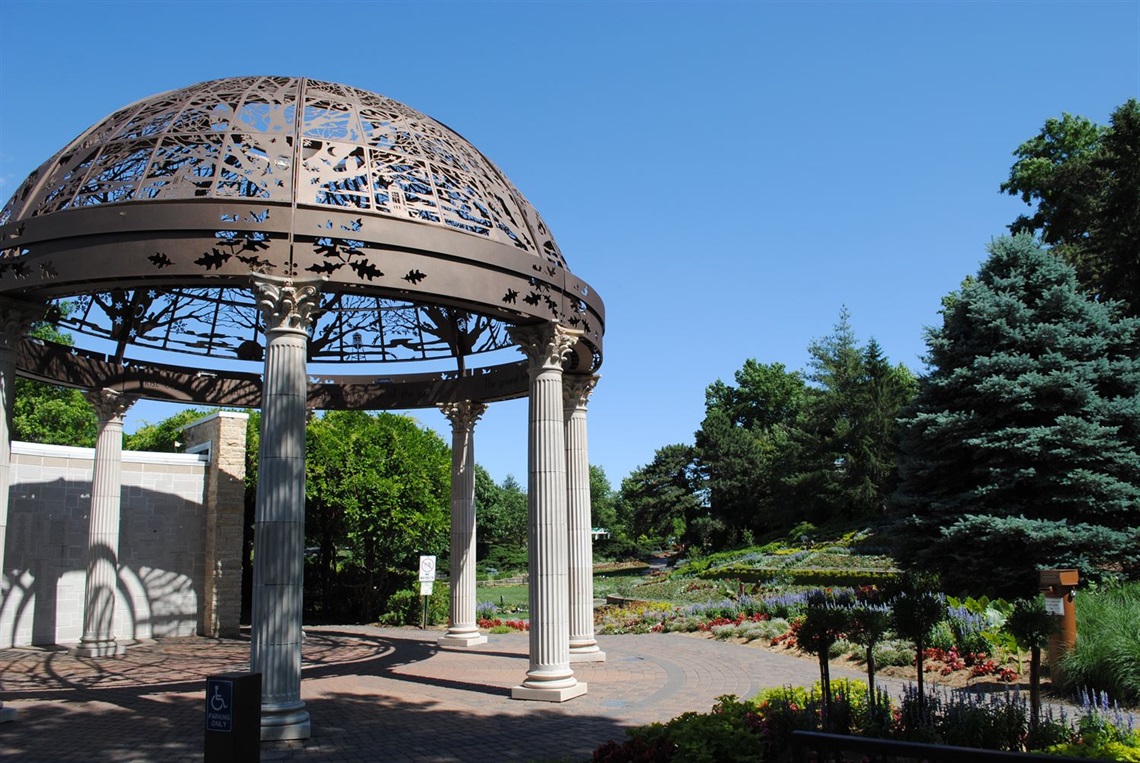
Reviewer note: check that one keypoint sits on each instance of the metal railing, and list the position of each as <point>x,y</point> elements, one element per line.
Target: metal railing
<point>819,747</point>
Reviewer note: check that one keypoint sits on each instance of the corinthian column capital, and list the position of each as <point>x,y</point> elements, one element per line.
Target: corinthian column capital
<point>576,390</point>
<point>286,304</point>
<point>463,414</point>
<point>110,405</point>
<point>545,345</point>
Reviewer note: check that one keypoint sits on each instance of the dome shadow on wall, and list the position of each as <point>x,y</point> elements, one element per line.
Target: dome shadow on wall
<point>141,236</point>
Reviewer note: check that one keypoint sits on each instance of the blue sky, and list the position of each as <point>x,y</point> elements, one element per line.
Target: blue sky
<point>727,175</point>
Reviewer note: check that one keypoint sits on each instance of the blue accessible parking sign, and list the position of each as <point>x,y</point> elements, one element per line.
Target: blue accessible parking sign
<point>219,705</point>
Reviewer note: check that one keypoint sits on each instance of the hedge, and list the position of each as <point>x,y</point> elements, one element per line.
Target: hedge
<point>805,577</point>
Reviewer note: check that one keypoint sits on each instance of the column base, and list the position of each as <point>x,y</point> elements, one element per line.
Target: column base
<point>462,640</point>
<point>7,714</point>
<point>284,722</point>
<point>587,654</point>
<point>110,648</point>
<point>546,694</point>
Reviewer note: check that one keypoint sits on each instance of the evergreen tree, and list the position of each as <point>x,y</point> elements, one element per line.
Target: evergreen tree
<point>731,464</point>
<point>845,439</point>
<point>660,500</point>
<point>1023,447</point>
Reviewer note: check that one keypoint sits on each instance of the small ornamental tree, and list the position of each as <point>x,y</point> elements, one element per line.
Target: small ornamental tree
<point>1023,446</point>
<point>868,625</point>
<point>915,610</point>
<point>826,618</point>
<point>1032,626</point>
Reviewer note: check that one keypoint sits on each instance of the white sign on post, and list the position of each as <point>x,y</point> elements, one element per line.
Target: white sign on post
<point>1055,605</point>
<point>425,587</point>
<point>427,569</point>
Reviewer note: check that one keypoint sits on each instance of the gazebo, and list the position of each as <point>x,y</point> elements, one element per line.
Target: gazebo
<point>289,244</point>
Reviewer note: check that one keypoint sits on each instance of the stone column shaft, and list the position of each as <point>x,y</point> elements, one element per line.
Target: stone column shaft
<point>462,630</point>
<point>279,534</point>
<point>98,638</point>
<point>15,318</point>
<point>550,677</point>
<point>583,645</point>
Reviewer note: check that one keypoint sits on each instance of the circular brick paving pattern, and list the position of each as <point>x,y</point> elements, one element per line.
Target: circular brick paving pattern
<point>374,694</point>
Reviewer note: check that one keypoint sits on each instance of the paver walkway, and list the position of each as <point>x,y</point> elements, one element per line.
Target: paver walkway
<point>374,694</point>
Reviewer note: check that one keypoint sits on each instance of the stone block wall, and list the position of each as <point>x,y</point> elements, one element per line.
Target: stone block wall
<point>181,516</point>
<point>221,437</point>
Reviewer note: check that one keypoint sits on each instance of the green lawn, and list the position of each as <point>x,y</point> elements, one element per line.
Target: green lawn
<point>507,598</point>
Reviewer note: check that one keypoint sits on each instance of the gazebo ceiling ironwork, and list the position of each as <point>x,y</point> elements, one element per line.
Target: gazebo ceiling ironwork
<point>142,234</point>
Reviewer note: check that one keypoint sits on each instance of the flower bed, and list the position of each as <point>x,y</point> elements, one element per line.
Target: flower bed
<point>495,625</point>
<point>760,729</point>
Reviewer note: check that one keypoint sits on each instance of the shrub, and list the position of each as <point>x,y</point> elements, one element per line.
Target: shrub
<point>405,607</point>
<point>766,629</point>
<point>941,636</point>
<point>1107,653</point>
<point>505,560</point>
<point>802,533</point>
<point>621,549</point>
<point>896,652</point>
<point>724,735</point>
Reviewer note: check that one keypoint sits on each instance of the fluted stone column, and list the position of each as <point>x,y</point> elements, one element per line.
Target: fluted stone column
<point>462,630</point>
<point>583,645</point>
<point>549,677</point>
<point>286,306</point>
<point>15,318</point>
<point>98,638</point>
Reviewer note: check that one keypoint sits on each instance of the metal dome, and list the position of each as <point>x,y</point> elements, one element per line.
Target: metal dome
<point>143,233</point>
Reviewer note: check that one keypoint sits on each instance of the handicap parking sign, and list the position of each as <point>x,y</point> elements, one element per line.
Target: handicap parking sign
<point>219,705</point>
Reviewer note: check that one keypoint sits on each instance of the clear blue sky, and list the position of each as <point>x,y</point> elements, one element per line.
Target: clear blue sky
<point>726,175</point>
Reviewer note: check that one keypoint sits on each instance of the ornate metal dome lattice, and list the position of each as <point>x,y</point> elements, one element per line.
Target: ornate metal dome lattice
<point>143,233</point>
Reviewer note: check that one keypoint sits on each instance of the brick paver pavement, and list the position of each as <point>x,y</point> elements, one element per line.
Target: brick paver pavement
<point>374,694</point>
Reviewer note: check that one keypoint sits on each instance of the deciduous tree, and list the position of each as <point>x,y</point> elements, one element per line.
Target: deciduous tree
<point>743,447</point>
<point>164,436</point>
<point>603,512</point>
<point>377,486</point>
<point>50,414</point>
<point>500,511</point>
<point>1084,179</point>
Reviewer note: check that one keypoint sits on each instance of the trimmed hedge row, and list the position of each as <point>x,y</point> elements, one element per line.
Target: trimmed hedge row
<point>806,577</point>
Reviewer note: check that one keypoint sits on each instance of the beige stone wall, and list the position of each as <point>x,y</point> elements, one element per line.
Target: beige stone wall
<point>222,436</point>
<point>180,539</point>
<point>161,550</point>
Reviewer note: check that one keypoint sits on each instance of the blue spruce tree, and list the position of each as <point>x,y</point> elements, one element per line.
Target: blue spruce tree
<point>1022,450</point>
